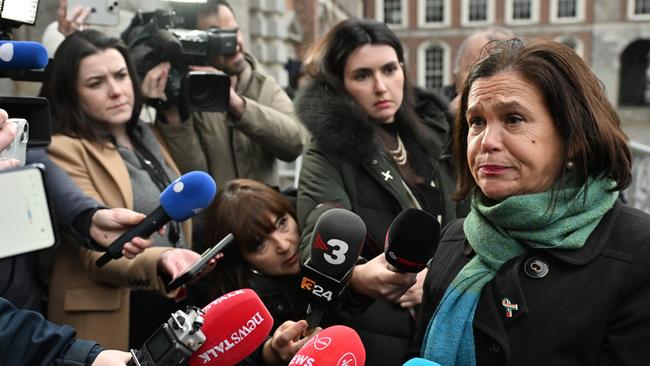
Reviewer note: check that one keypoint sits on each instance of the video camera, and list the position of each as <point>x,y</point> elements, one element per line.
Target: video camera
<point>158,36</point>
<point>173,342</point>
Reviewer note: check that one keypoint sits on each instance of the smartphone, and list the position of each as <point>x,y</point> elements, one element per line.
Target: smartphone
<point>26,216</point>
<point>102,12</point>
<point>17,149</point>
<point>199,265</point>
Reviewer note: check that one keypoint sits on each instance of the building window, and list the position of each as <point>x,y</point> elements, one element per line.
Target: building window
<point>634,89</point>
<point>641,7</point>
<point>522,9</point>
<point>433,13</point>
<point>477,12</point>
<point>434,67</point>
<point>638,9</point>
<point>391,12</point>
<point>433,64</point>
<point>567,11</point>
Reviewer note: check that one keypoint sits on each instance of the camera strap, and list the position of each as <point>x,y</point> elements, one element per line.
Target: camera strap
<point>159,177</point>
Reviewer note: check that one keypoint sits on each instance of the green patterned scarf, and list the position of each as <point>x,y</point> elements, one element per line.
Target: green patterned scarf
<point>498,232</point>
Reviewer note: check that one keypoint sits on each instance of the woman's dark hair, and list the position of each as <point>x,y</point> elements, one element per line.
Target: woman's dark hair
<point>61,86</point>
<point>586,122</point>
<point>242,208</point>
<point>326,60</point>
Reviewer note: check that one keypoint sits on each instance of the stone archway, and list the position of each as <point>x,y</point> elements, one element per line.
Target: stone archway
<point>634,81</point>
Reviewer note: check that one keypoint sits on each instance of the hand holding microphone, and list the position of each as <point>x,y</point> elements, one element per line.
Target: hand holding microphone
<point>374,279</point>
<point>334,346</point>
<point>411,241</point>
<point>287,340</point>
<point>182,199</point>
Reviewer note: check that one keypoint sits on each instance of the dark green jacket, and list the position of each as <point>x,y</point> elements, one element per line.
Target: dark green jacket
<point>344,167</point>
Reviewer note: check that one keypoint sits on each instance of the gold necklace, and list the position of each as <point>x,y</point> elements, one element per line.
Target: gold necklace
<point>399,154</point>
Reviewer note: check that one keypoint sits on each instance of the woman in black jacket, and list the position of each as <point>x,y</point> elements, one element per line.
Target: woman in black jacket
<point>548,268</point>
<point>264,257</point>
<point>373,155</point>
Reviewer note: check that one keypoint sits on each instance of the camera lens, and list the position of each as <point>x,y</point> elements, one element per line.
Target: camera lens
<point>207,91</point>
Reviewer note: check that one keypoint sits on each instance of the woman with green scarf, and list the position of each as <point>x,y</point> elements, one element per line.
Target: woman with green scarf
<point>549,267</point>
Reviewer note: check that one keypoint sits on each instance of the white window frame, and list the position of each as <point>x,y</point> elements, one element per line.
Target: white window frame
<point>580,45</point>
<point>422,67</point>
<point>580,13</point>
<point>379,13</point>
<point>446,15</point>
<point>464,20</point>
<point>534,13</point>
<point>630,12</point>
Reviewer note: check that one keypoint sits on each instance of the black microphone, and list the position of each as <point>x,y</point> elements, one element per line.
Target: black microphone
<point>411,240</point>
<point>336,244</point>
<point>183,198</point>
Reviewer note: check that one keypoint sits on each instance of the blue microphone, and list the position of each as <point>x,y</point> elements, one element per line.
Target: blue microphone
<point>182,199</point>
<point>420,362</point>
<point>22,55</point>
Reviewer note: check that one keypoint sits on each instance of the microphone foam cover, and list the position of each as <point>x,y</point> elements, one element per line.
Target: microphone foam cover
<point>337,345</point>
<point>337,241</point>
<point>234,326</point>
<point>22,55</point>
<point>188,195</point>
<point>420,362</point>
<point>411,240</point>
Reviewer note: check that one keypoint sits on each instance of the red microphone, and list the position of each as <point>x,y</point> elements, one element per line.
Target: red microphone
<point>234,326</point>
<point>222,333</point>
<point>334,346</point>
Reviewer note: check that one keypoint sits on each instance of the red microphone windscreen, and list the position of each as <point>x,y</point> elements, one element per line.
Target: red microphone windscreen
<point>334,346</point>
<point>234,326</point>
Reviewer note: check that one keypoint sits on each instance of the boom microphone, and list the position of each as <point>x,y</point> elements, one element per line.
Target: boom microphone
<point>336,243</point>
<point>411,240</point>
<point>420,362</point>
<point>182,199</point>
<point>223,333</point>
<point>234,326</point>
<point>22,55</point>
<point>334,346</point>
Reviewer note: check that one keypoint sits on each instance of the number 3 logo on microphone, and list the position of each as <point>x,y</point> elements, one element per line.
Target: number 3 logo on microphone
<point>338,253</point>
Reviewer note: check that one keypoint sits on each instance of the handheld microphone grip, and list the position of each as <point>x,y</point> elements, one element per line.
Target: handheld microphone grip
<point>321,290</point>
<point>182,199</point>
<point>148,226</point>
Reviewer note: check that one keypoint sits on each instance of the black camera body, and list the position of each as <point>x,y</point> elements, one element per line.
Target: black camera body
<point>152,39</point>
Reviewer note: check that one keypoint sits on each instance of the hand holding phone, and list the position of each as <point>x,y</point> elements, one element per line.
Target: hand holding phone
<point>26,217</point>
<point>17,149</point>
<point>190,273</point>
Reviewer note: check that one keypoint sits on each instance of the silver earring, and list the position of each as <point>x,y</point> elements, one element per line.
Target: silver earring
<point>570,165</point>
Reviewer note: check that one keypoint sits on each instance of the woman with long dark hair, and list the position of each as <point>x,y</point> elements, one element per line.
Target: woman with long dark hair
<point>371,154</point>
<point>113,157</point>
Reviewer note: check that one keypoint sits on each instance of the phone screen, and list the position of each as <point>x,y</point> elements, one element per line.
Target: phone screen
<point>25,220</point>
